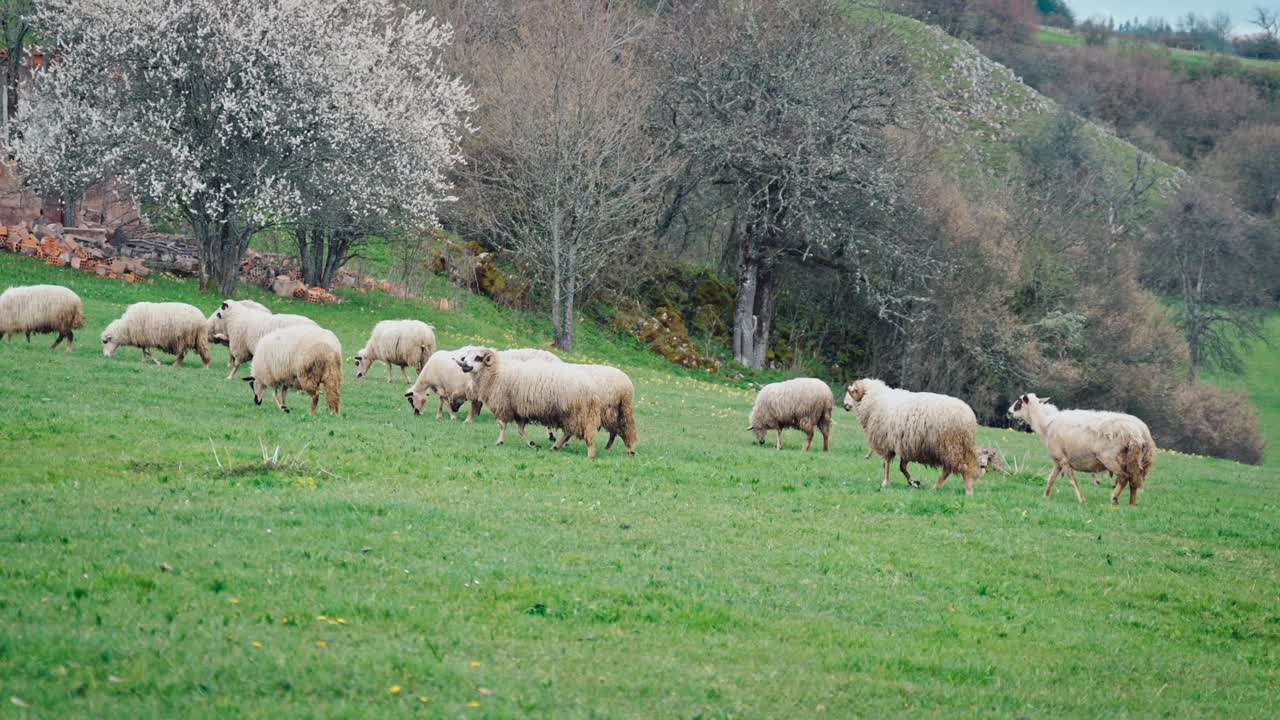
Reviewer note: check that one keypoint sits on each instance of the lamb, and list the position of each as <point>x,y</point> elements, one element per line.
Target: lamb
<point>989,457</point>
<point>552,394</point>
<point>41,309</point>
<point>246,326</point>
<point>934,430</point>
<point>442,376</point>
<point>218,325</point>
<point>397,342</point>
<point>173,327</point>
<point>802,404</point>
<point>1090,441</point>
<point>304,357</point>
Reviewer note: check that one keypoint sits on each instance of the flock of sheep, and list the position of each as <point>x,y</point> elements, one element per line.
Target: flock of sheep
<point>530,385</point>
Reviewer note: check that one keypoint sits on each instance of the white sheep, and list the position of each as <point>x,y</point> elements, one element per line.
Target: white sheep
<point>172,326</point>
<point>303,357</point>
<point>41,309</point>
<point>527,354</point>
<point>442,376</point>
<point>1090,441</point>
<point>245,326</point>
<point>617,396</point>
<point>551,394</point>
<point>801,403</point>
<point>927,428</point>
<point>397,342</point>
<point>218,324</point>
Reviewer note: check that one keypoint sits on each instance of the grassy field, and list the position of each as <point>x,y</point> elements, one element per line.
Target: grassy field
<point>1178,58</point>
<point>396,565</point>
<point>1261,380</point>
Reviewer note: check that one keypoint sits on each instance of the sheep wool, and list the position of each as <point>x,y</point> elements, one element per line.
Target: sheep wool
<point>173,327</point>
<point>1090,441</point>
<point>551,394</point>
<point>442,376</point>
<point>246,326</point>
<point>803,404</point>
<point>300,357</point>
<point>926,428</point>
<point>218,325</point>
<point>407,343</point>
<point>41,309</point>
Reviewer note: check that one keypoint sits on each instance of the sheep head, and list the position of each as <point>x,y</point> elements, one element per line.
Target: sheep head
<point>481,358</point>
<point>258,389</point>
<point>111,338</point>
<point>362,360</point>
<point>416,401</point>
<point>854,394</point>
<point>1021,408</point>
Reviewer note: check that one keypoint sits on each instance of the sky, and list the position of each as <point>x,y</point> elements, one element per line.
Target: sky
<point>1239,10</point>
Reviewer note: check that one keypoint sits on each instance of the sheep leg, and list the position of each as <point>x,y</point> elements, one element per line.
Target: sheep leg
<point>1048,488</point>
<point>282,401</point>
<point>942,479</point>
<point>564,440</point>
<point>70,339</point>
<point>405,374</point>
<point>1133,494</point>
<point>868,455</point>
<point>902,465</point>
<point>181,354</point>
<point>612,436</point>
<point>808,439</point>
<point>520,427</point>
<point>474,411</point>
<point>388,371</point>
<point>315,400</point>
<point>968,483</point>
<point>502,433</point>
<point>56,342</point>
<point>777,444</point>
<point>1071,475</point>
<point>1119,488</point>
<point>591,445</point>
<point>154,359</point>
<point>440,409</point>
<point>28,337</point>
<point>887,459</point>
<point>826,437</point>
<point>235,367</point>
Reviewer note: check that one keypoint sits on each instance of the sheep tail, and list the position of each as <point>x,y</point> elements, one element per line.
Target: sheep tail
<point>77,318</point>
<point>628,430</point>
<point>332,381</point>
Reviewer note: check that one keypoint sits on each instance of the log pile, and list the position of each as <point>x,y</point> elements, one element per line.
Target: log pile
<point>84,249</point>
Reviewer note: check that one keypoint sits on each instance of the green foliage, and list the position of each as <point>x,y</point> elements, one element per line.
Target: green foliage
<point>139,578</point>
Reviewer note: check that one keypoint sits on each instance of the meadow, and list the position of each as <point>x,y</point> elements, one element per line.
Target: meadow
<point>153,564</point>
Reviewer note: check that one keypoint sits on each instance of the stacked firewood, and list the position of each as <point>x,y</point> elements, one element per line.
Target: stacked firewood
<point>79,248</point>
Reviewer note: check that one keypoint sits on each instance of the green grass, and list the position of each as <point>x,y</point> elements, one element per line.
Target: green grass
<point>705,577</point>
<point>1261,381</point>
<point>1178,58</point>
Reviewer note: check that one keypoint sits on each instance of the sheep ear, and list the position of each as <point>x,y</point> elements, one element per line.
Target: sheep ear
<point>224,306</point>
<point>409,394</point>
<point>1045,400</point>
<point>249,379</point>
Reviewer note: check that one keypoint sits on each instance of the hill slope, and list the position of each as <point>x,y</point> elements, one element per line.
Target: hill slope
<point>151,564</point>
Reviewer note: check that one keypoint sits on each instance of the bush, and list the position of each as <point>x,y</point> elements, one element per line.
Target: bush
<point>1206,420</point>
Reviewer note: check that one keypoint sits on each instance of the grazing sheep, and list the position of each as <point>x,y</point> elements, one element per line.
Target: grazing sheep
<point>617,395</point>
<point>527,354</point>
<point>173,327</point>
<point>218,325</point>
<point>442,376</point>
<point>304,357</point>
<point>397,342</point>
<point>551,394</point>
<point>802,403</point>
<point>926,428</point>
<point>1090,441</point>
<point>41,309</point>
<point>246,326</point>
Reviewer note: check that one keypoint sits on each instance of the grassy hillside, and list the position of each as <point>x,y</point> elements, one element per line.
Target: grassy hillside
<point>1261,380</point>
<point>396,564</point>
<point>1178,58</point>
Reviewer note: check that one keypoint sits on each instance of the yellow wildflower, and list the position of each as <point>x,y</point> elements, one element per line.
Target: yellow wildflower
<point>321,643</point>
<point>473,704</point>
<point>395,689</point>
<point>423,699</point>
<point>257,644</point>
<point>235,601</point>
<point>475,663</point>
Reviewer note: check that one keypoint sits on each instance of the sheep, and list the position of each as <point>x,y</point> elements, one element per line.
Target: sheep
<point>246,326</point>
<point>41,309</point>
<point>552,394</point>
<point>527,354</point>
<point>305,357</point>
<point>1090,441</point>
<point>442,376</point>
<point>802,403</point>
<point>172,326</point>
<point>989,457</point>
<point>934,430</point>
<point>617,395</point>
<point>218,325</point>
<point>397,342</point>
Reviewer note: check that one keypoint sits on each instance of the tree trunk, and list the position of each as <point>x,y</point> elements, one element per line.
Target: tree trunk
<point>765,303</point>
<point>1193,357</point>
<point>744,327</point>
<point>564,339</point>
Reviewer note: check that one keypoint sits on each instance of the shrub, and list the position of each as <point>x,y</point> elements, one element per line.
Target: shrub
<point>1206,420</point>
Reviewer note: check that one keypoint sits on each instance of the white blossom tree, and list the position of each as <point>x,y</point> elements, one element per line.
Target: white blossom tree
<point>243,115</point>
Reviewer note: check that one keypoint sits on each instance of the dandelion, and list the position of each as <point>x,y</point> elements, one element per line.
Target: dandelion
<point>423,699</point>
<point>395,689</point>
<point>321,617</point>
<point>342,621</point>
<point>473,704</point>
<point>475,663</point>
<point>321,643</point>
<point>284,620</point>
<point>235,601</point>
<point>257,644</point>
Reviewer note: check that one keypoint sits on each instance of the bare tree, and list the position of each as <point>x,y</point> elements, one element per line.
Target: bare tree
<point>1267,20</point>
<point>785,107</point>
<point>15,24</point>
<point>563,173</point>
<point>1200,252</point>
